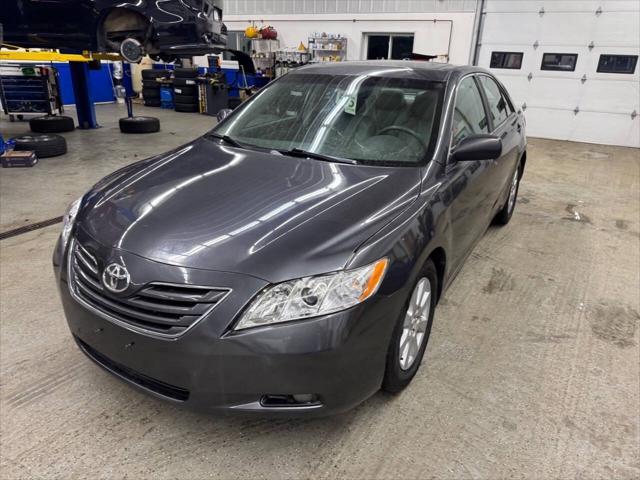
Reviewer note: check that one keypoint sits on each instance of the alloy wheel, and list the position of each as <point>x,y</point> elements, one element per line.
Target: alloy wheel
<point>415,323</point>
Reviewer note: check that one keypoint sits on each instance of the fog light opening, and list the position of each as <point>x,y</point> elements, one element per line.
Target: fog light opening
<point>295,400</point>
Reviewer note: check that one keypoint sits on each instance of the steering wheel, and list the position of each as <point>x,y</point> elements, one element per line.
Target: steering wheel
<point>408,131</point>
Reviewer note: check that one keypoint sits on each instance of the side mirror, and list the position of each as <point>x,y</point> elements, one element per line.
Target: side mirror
<point>477,147</point>
<point>224,113</point>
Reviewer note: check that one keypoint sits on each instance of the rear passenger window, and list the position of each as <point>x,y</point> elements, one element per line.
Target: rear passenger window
<point>498,105</point>
<point>469,117</point>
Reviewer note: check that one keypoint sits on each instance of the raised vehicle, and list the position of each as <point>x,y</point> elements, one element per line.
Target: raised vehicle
<point>290,261</point>
<point>163,29</point>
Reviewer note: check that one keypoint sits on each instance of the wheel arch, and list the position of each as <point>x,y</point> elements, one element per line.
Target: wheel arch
<point>439,258</point>
<point>125,12</point>
<point>523,161</point>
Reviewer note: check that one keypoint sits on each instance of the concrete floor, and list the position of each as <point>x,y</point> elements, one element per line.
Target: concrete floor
<point>532,370</point>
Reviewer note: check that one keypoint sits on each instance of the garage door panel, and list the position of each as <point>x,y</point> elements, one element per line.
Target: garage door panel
<point>554,92</point>
<point>598,95</point>
<point>594,127</point>
<point>545,123</point>
<point>510,29</point>
<point>613,28</point>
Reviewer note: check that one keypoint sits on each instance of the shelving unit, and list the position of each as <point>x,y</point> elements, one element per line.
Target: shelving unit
<point>328,47</point>
<point>290,59</point>
<point>27,89</point>
<point>263,54</point>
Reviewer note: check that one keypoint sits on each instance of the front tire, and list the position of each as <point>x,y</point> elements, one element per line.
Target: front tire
<point>411,334</point>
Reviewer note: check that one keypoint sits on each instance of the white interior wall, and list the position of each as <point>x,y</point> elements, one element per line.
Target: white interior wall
<point>292,29</point>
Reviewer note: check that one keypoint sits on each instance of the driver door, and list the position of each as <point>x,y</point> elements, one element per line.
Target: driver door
<point>470,181</point>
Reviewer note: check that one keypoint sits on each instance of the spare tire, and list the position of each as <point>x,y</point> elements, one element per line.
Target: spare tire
<point>186,107</point>
<point>139,124</point>
<point>185,99</point>
<point>150,84</point>
<point>52,124</point>
<point>190,91</point>
<point>185,72</point>
<point>151,74</point>
<point>152,102</point>
<point>184,81</point>
<point>43,145</point>
<point>151,93</point>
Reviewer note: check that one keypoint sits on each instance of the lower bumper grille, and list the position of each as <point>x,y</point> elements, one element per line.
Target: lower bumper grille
<point>156,386</point>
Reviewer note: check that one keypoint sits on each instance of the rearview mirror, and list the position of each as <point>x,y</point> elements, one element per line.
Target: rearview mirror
<point>477,147</point>
<point>224,113</point>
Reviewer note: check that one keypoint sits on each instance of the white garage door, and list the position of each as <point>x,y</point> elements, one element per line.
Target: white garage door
<point>572,65</point>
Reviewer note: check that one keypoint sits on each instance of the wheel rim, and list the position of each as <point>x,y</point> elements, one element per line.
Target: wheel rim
<point>414,328</point>
<point>513,191</point>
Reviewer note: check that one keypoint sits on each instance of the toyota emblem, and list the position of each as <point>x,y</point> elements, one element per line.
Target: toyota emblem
<point>115,278</point>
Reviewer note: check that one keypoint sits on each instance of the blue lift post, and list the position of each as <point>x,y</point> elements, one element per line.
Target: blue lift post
<point>84,102</point>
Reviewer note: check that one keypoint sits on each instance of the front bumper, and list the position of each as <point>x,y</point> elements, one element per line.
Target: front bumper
<point>340,358</point>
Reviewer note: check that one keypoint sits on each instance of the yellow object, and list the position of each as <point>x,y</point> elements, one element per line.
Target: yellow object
<point>379,268</point>
<point>251,32</point>
<point>56,56</point>
<point>302,48</point>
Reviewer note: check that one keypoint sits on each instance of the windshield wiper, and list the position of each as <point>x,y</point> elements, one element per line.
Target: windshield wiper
<point>298,152</point>
<point>226,138</point>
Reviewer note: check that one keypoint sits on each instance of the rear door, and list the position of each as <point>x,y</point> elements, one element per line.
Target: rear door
<point>470,181</point>
<point>505,125</point>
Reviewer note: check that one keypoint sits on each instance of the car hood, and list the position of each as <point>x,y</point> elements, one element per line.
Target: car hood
<point>205,205</point>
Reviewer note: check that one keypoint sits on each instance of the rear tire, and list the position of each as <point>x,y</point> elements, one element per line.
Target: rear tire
<point>43,145</point>
<point>52,124</point>
<point>407,347</point>
<point>139,125</point>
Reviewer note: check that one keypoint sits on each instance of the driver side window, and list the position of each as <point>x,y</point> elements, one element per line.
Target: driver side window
<point>469,116</point>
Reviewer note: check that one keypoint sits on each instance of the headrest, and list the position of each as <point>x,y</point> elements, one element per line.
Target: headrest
<point>423,103</point>
<point>390,100</point>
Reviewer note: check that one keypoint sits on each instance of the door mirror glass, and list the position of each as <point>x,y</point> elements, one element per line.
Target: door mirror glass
<point>477,147</point>
<point>224,113</point>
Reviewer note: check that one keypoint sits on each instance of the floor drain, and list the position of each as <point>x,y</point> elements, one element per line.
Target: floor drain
<point>29,228</point>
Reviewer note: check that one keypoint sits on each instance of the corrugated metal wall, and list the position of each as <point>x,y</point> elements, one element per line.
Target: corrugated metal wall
<point>288,7</point>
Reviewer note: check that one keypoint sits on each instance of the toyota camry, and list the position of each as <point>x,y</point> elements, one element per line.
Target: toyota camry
<point>290,261</point>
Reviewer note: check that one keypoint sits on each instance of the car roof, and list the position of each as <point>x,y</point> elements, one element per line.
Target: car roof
<point>435,71</point>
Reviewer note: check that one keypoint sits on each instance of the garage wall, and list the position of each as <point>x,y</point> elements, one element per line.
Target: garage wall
<point>443,25</point>
<point>581,105</point>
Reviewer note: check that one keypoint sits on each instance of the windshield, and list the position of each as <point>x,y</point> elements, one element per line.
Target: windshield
<point>373,119</point>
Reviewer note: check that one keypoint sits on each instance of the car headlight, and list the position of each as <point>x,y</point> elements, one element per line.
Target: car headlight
<point>68,220</point>
<point>313,296</point>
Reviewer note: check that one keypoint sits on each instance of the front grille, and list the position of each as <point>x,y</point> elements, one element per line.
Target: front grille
<point>161,388</point>
<point>159,308</point>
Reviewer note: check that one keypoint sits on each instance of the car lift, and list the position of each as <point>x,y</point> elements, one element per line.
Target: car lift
<point>79,69</point>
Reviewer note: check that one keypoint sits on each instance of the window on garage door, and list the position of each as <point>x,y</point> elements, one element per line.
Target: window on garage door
<point>509,60</point>
<point>617,63</point>
<point>499,107</point>
<point>564,62</point>
<point>469,116</point>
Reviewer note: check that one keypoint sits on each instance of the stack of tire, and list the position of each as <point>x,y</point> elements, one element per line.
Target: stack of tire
<point>185,90</point>
<point>151,88</point>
